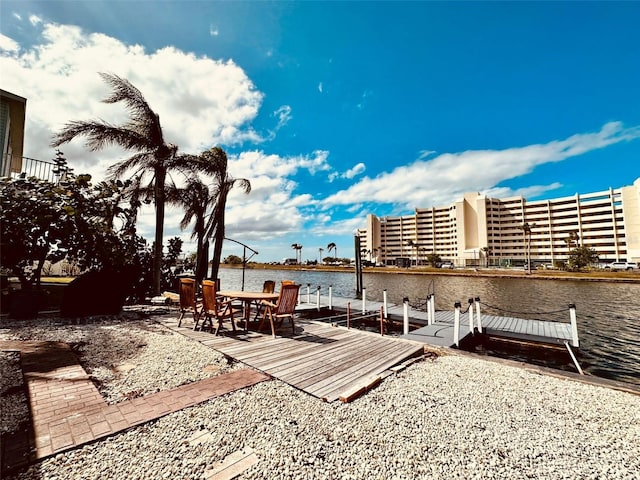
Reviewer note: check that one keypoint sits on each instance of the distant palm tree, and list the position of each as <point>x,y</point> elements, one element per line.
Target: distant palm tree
<point>143,135</point>
<point>415,245</point>
<point>332,246</point>
<point>487,254</point>
<point>526,228</point>
<point>298,248</point>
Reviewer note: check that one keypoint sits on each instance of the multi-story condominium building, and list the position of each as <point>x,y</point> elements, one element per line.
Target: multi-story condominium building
<point>478,230</point>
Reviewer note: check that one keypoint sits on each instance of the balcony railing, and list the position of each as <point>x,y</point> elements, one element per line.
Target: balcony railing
<point>31,167</point>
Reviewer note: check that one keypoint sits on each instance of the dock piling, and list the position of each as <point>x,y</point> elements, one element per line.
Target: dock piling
<point>330,297</point>
<point>405,323</point>
<point>478,317</point>
<point>456,323</point>
<point>318,298</point>
<point>364,300</point>
<point>384,303</point>
<point>470,315</point>
<point>574,326</point>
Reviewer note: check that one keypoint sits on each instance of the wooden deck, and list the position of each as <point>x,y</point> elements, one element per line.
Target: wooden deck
<point>325,361</point>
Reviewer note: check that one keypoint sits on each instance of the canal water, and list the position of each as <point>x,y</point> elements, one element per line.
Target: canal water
<point>608,313</point>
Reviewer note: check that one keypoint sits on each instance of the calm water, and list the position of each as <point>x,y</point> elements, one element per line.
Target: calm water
<point>608,313</point>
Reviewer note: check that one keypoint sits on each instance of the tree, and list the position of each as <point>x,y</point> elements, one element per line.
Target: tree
<point>143,135</point>
<point>332,246</point>
<point>434,259</point>
<point>581,257</point>
<point>486,251</point>
<point>298,248</point>
<point>215,163</point>
<point>413,244</point>
<point>196,199</point>
<point>233,260</point>
<point>572,239</point>
<point>46,222</point>
<point>526,228</point>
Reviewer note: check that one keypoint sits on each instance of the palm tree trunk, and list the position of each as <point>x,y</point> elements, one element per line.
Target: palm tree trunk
<point>218,237</point>
<point>157,251</point>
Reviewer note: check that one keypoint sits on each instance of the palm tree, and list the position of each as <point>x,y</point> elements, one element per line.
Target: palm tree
<point>332,246</point>
<point>487,254</point>
<point>143,135</point>
<point>214,162</point>
<point>415,245</point>
<point>196,199</point>
<point>298,248</point>
<point>526,228</point>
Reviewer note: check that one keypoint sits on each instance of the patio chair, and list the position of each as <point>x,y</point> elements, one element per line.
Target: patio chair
<point>188,302</point>
<point>269,286</point>
<point>214,308</point>
<point>285,308</point>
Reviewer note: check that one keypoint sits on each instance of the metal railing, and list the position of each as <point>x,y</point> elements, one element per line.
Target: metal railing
<point>31,167</point>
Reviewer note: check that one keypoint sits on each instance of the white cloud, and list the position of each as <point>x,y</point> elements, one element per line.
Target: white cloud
<point>7,44</point>
<point>320,87</point>
<point>448,176</point>
<point>284,115</point>
<point>35,20</point>
<point>349,174</point>
<point>213,31</point>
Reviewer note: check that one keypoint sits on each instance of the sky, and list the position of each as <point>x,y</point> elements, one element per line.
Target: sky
<point>334,110</point>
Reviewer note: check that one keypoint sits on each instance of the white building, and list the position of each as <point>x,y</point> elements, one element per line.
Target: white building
<point>479,230</point>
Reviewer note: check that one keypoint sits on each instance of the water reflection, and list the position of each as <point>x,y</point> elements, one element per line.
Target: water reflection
<point>608,313</point>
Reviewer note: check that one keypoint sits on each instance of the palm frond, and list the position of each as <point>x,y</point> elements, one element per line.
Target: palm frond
<point>143,117</point>
<point>140,161</point>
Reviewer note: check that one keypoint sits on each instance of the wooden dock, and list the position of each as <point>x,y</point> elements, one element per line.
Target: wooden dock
<point>328,362</point>
<point>441,332</point>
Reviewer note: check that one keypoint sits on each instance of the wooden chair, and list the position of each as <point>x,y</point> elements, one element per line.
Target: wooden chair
<point>188,302</point>
<point>269,286</point>
<point>213,307</point>
<point>285,308</point>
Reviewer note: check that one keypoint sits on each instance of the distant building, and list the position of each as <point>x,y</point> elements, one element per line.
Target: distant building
<point>478,230</point>
<point>12,115</point>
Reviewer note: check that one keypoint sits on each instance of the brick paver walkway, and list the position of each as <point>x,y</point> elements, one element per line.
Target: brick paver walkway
<point>67,409</point>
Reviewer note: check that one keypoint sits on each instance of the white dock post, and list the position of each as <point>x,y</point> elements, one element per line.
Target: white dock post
<point>364,300</point>
<point>308,293</point>
<point>318,298</point>
<point>330,297</point>
<point>470,315</point>
<point>478,318</point>
<point>456,324</point>
<point>433,308</point>
<point>384,302</point>
<point>405,307</point>
<point>429,318</point>
<point>574,326</point>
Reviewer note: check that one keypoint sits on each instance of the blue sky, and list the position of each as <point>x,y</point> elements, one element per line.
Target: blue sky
<point>338,109</point>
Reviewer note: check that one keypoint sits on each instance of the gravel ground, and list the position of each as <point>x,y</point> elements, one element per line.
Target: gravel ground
<point>455,417</point>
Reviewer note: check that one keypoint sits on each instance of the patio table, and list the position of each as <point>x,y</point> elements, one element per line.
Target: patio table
<point>247,298</point>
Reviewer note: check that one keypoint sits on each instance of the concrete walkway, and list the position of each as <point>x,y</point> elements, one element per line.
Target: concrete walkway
<point>68,411</point>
